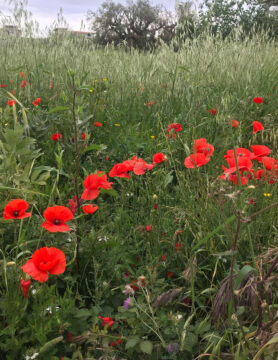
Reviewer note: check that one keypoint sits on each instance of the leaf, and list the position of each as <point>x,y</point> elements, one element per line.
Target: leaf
<point>58,108</point>
<point>166,297</point>
<point>131,342</point>
<point>146,346</point>
<point>242,274</point>
<point>168,179</point>
<point>100,147</point>
<point>82,314</point>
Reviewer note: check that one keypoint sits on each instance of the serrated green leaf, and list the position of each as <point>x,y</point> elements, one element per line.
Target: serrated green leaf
<point>131,342</point>
<point>146,346</point>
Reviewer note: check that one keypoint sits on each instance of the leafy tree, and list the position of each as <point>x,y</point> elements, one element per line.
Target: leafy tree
<point>137,25</point>
<point>223,16</point>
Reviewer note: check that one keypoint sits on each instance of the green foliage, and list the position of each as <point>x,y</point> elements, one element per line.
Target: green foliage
<point>134,25</point>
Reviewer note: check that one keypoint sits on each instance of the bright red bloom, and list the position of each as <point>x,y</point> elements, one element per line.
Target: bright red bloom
<point>213,111</point>
<point>83,135</point>
<point>170,274</point>
<point>179,246</point>
<point>269,163</point>
<point>106,321</point>
<point>134,287</point>
<point>36,102</point>
<point>22,74</point>
<point>89,209</point>
<point>56,218</point>
<point>73,204</point>
<point>11,102</point>
<point>25,284</point>
<point>257,126</point>
<point>120,170</point>
<point>196,160</point>
<point>174,128</point>
<point>234,123</point>
<point>15,209</point>
<point>260,150</point>
<point>148,228</point>
<point>149,103</point>
<point>137,165</point>
<point>155,206</point>
<point>257,100</point>
<point>23,83</point>
<point>56,137</point>
<point>97,124</point>
<point>159,158</point>
<point>93,183</point>
<point>243,163</point>
<point>45,260</point>
<point>116,342</point>
<point>239,152</point>
<point>201,146</point>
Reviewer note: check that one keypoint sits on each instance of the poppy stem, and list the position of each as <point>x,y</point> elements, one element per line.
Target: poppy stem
<point>76,169</point>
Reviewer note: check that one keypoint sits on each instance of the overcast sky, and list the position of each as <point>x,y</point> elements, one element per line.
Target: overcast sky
<point>74,11</point>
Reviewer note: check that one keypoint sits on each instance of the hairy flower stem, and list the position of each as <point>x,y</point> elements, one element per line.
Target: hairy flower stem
<point>76,171</point>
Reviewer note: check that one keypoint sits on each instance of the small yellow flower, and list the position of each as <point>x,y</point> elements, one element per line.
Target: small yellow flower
<point>91,90</point>
<point>267,194</point>
<point>104,79</point>
<point>152,136</point>
<point>117,125</point>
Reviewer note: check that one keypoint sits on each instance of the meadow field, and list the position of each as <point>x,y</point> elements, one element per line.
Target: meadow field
<point>139,203</point>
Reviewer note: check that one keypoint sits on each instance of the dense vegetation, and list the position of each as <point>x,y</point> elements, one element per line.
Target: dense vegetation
<point>179,263</point>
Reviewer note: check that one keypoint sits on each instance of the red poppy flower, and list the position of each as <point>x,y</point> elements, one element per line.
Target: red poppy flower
<point>213,111</point>
<point>119,170</point>
<point>159,158</point>
<point>257,126</point>
<point>243,163</point>
<point>234,123</point>
<point>155,206</point>
<point>149,103</point>
<point>260,150</point>
<point>89,209</point>
<point>25,284</point>
<point>93,183</point>
<point>45,260</point>
<point>269,162</point>
<point>23,83</point>
<point>196,160</point>
<point>36,102</point>
<point>106,321</point>
<point>116,342</point>
<point>170,274</point>
<point>140,166</point>
<point>11,102</point>
<point>239,152</point>
<point>257,100</point>
<point>163,258</point>
<point>97,124</point>
<point>73,204</point>
<point>175,127</point>
<point>22,74</point>
<point>15,209</point>
<point>201,146</point>
<point>83,135</point>
<point>148,228</point>
<point>56,218</point>
<point>56,137</point>
<point>179,246</point>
